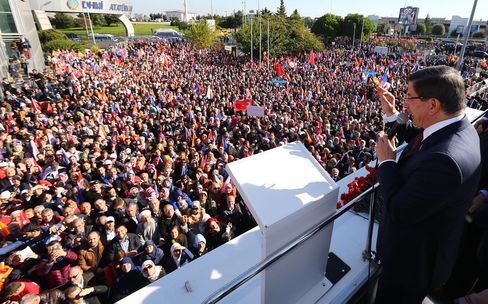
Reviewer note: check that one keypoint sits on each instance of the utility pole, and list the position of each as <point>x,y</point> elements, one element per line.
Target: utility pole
<point>459,65</point>
<point>252,57</point>
<point>260,35</point>
<point>362,28</point>
<point>268,44</point>
<point>354,35</point>
<point>91,27</point>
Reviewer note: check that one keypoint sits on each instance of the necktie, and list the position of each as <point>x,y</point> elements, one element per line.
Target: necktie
<point>415,143</point>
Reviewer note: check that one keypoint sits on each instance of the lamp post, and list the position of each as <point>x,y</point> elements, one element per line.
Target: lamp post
<point>260,34</point>
<point>459,64</point>
<point>362,28</point>
<point>252,52</point>
<point>354,35</point>
<point>268,44</point>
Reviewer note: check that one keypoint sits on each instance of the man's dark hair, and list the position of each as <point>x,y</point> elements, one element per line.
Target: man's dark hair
<point>31,227</point>
<point>443,83</point>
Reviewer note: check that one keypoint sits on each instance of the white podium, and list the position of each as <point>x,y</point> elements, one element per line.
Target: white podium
<point>288,192</point>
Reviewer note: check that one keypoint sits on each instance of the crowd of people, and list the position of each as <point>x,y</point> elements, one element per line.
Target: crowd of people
<point>112,163</point>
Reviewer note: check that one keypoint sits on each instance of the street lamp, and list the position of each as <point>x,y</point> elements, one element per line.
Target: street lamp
<point>251,14</point>
<point>354,35</point>
<point>260,34</point>
<point>459,64</point>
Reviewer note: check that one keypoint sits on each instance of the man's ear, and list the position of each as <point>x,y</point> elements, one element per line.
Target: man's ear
<point>434,105</point>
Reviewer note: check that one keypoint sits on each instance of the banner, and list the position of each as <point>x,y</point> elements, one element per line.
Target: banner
<point>255,111</point>
<point>279,81</point>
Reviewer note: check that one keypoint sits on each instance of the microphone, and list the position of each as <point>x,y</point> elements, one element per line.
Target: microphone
<point>402,119</point>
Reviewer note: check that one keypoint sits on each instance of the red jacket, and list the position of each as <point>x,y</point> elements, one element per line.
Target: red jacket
<point>57,273</point>
<point>29,287</point>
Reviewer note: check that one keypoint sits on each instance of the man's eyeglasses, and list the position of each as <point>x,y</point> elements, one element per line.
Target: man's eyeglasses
<point>417,97</point>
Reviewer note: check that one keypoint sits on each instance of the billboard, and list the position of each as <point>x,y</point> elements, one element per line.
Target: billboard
<point>408,15</point>
<point>117,7</point>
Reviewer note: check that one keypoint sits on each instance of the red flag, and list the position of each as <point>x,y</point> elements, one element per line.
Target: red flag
<point>278,68</point>
<point>241,104</point>
<point>311,58</point>
<point>35,105</point>
<point>287,77</point>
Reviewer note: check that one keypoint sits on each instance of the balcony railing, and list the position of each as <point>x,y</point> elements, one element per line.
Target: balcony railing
<point>368,253</point>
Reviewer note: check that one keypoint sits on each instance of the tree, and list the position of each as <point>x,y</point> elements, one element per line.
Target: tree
<point>287,37</point>
<point>281,9</point>
<point>97,19</point>
<point>231,22</point>
<point>420,29</point>
<point>49,35</point>
<point>308,21</point>
<point>62,21</point>
<point>428,24</point>
<point>295,15</point>
<point>438,30</point>
<point>356,19</point>
<point>478,35</point>
<point>327,26</point>
<point>201,35</point>
<point>111,19</point>
<point>265,12</point>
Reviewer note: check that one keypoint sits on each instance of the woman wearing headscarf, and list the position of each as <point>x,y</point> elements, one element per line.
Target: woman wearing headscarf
<point>129,279</point>
<point>152,253</point>
<point>217,233</point>
<point>152,272</point>
<point>179,257</point>
<point>199,246</point>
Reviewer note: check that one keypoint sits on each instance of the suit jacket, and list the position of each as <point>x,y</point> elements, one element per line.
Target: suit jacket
<point>115,246</point>
<point>89,259</point>
<point>426,196</point>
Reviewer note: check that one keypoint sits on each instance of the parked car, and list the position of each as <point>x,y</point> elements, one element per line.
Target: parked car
<point>73,37</point>
<point>480,54</point>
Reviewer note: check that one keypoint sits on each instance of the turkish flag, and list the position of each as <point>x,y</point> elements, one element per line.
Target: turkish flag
<point>278,68</point>
<point>311,58</point>
<point>241,104</point>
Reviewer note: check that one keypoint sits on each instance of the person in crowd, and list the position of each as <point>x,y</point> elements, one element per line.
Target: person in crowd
<point>128,243</point>
<point>151,271</point>
<point>16,290</point>
<point>179,257</point>
<point>199,246</point>
<point>56,265</point>
<point>129,279</point>
<point>147,229</point>
<point>92,253</point>
<point>152,252</point>
<point>217,233</point>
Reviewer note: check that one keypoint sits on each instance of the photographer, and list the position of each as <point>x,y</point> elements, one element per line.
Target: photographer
<point>55,267</point>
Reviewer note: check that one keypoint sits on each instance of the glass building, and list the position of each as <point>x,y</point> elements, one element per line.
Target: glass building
<point>16,21</point>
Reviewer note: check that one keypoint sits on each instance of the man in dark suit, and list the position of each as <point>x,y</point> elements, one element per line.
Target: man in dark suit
<point>428,191</point>
<point>126,242</point>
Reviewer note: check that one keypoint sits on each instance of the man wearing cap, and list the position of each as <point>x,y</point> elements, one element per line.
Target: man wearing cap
<point>147,229</point>
<point>107,232</point>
